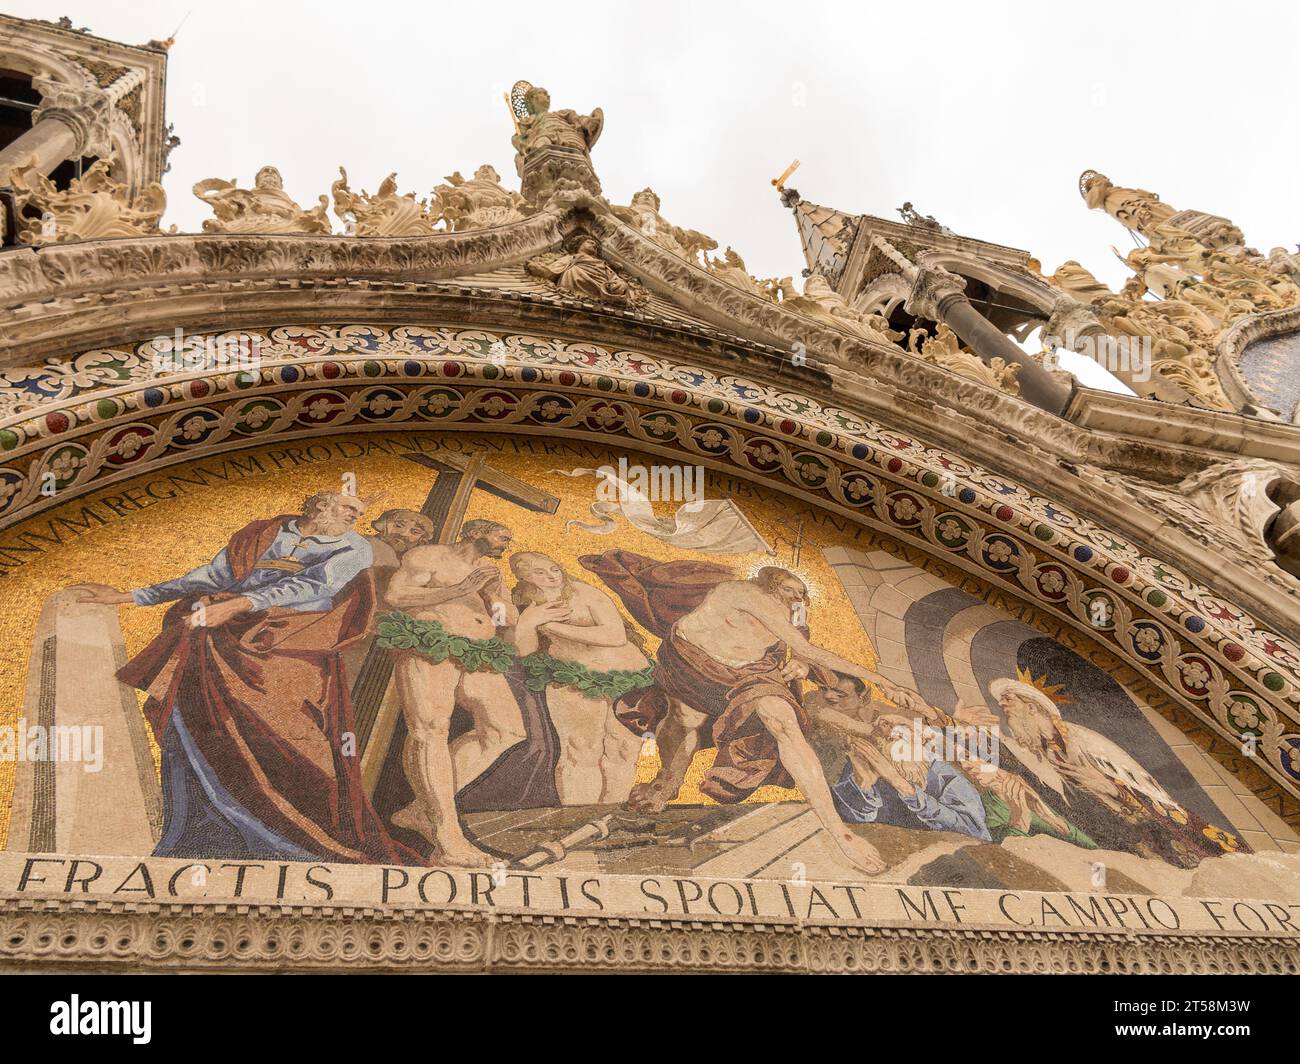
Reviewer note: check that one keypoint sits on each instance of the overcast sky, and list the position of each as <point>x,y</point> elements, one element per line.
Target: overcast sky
<point>982,115</point>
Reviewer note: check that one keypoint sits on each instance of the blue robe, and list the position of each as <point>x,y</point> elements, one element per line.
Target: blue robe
<point>948,802</point>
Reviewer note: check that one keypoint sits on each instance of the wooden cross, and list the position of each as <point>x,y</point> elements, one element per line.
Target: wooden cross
<point>376,716</point>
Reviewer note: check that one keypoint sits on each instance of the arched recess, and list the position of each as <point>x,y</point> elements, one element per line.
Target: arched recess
<point>1209,655</point>
<point>33,60</point>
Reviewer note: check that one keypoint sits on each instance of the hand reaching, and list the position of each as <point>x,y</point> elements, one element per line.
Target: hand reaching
<point>100,594</point>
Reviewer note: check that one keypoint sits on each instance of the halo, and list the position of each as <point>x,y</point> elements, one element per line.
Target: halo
<point>814,587</point>
<point>518,104</point>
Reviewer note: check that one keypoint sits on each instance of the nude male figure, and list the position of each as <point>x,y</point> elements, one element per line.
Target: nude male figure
<point>395,532</point>
<point>736,625</point>
<point>452,591</point>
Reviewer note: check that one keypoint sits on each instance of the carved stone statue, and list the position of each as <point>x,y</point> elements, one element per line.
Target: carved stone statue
<point>643,214</point>
<point>552,148</point>
<point>583,273</point>
<point>265,208</point>
<point>821,301</point>
<point>1133,208</point>
<point>478,202</point>
<point>383,214</point>
<point>731,268</point>
<point>540,127</point>
<point>92,206</point>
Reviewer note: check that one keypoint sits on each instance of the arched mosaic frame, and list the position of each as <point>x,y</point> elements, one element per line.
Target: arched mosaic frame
<point>114,419</point>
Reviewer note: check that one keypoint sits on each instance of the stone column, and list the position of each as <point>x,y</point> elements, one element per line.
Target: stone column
<point>86,781</point>
<point>940,295</point>
<point>72,121</point>
<point>48,143</point>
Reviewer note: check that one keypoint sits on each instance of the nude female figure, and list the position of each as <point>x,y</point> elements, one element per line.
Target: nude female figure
<point>562,620</point>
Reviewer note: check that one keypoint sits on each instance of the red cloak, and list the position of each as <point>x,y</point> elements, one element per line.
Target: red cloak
<point>265,700</point>
<point>658,595</point>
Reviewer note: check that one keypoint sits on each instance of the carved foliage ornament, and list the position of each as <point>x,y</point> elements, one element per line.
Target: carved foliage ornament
<point>92,206</point>
<point>477,203</point>
<point>383,214</point>
<point>1203,276</point>
<point>943,348</point>
<point>86,108</point>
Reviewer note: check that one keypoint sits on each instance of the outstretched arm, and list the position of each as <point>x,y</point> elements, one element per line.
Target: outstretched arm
<point>771,618</point>
<point>213,576</point>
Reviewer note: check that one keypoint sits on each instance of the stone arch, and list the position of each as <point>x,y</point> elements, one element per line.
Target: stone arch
<point>1208,654</point>
<point>30,58</point>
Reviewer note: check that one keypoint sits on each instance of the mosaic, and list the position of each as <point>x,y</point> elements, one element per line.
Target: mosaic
<point>526,654</point>
<point>1202,648</point>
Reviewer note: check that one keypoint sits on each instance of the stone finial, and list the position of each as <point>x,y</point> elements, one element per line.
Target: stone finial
<point>911,216</point>
<point>553,148</point>
<point>477,203</point>
<point>1204,278</point>
<point>383,214</point>
<point>265,208</point>
<point>92,206</point>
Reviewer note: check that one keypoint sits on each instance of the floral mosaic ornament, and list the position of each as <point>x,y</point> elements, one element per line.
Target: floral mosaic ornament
<point>1208,652</point>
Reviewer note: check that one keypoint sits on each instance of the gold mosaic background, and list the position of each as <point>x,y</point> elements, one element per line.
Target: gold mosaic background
<point>171,536</point>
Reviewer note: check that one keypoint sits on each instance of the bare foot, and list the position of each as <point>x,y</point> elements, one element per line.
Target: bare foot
<point>413,818</point>
<point>859,852</point>
<point>461,853</point>
<point>648,798</point>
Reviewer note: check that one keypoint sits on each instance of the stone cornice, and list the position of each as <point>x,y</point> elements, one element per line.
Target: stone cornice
<point>67,298</point>
<point>946,407</point>
<point>1147,423</point>
<point>60,935</point>
<point>33,280</point>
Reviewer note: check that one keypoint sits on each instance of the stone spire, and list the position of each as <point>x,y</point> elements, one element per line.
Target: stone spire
<point>826,234</point>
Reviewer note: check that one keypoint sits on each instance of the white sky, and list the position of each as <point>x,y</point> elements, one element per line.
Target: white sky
<point>980,114</point>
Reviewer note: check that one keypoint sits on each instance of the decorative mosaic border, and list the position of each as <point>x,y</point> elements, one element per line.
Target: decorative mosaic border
<point>1208,653</point>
